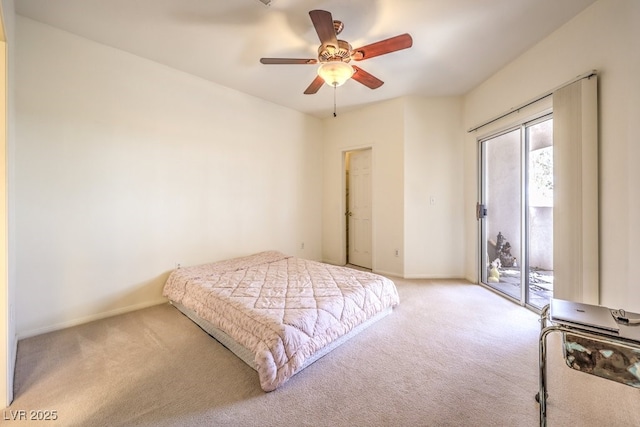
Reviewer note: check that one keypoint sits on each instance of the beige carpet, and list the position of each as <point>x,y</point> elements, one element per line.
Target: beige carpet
<point>452,354</point>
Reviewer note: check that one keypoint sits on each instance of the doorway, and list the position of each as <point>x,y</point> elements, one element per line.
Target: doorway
<point>516,212</point>
<point>358,202</point>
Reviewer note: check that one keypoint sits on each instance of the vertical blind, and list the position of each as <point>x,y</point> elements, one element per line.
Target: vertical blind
<point>575,204</point>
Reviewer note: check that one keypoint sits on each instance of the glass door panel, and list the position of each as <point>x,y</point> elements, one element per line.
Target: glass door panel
<point>502,223</point>
<point>539,138</point>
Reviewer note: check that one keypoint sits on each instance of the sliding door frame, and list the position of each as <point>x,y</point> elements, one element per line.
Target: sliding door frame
<point>523,265</point>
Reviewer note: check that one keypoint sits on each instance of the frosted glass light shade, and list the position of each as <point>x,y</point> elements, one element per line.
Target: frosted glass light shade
<point>335,73</point>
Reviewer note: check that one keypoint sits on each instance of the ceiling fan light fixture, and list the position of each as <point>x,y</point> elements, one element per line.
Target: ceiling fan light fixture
<point>335,73</point>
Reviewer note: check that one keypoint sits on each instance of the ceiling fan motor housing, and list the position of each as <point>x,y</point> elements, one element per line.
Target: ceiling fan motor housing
<point>328,52</point>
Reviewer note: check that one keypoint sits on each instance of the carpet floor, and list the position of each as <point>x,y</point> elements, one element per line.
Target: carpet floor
<point>451,354</point>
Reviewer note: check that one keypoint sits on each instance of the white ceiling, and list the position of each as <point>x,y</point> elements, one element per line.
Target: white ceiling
<point>457,44</point>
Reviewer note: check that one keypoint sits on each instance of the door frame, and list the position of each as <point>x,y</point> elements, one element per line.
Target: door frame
<point>344,207</point>
<point>482,224</point>
<point>521,126</point>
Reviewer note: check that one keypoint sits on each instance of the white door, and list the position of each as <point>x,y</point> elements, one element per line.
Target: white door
<point>359,208</point>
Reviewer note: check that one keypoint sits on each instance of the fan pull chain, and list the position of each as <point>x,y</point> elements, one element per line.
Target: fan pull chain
<point>335,88</point>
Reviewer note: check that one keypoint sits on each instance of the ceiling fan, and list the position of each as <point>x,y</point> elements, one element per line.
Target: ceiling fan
<point>334,55</point>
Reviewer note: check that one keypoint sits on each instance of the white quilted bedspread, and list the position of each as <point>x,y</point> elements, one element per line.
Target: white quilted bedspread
<point>282,308</point>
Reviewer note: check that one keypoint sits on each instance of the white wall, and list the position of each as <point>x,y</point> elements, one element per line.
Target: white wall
<point>124,167</point>
<point>381,127</point>
<point>434,240</point>
<point>417,147</point>
<point>604,37</point>
<point>7,287</point>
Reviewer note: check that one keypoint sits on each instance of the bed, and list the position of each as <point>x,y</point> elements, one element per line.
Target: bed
<point>277,312</point>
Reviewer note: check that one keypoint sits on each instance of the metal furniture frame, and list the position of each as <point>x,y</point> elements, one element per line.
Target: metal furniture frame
<point>549,325</point>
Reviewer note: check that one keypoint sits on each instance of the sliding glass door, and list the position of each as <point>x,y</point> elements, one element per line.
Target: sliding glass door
<point>503,213</point>
<point>516,212</point>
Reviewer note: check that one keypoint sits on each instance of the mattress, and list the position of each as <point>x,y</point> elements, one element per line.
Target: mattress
<point>248,357</point>
<point>280,313</point>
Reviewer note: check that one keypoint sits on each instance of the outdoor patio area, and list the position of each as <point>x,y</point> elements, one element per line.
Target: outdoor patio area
<point>540,285</point>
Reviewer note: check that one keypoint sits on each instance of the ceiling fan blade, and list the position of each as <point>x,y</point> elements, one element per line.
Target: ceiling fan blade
<point>315,85</point>
<point>323,22</point>
<point>287,61</point>
<point>382,47</point>
<point>365,78</point>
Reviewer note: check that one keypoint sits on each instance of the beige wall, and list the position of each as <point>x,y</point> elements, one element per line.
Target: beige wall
<point>381,127</point>
<point>433,192</point>
<point>417,147</point>
<point>124,167</point>
<point>7,307</point>
<point>604,37</point>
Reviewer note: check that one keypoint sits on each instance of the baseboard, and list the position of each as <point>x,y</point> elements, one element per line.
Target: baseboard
<point>332,262</point>
<point>90,318</point>
<point>434,276</point>
<point>387,273</point>
<point>12,370</point>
